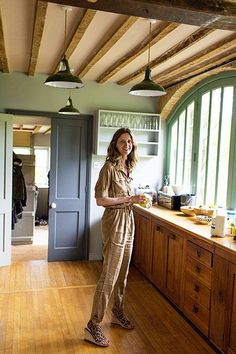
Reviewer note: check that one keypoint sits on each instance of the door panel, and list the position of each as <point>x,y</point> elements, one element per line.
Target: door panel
<point>5,188</point>
<point>70,149</point>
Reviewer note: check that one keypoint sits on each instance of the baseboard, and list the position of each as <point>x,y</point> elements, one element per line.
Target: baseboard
<point>95,257</point>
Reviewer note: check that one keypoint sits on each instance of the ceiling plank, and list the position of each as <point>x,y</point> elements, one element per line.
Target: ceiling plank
<point>159,33</point>
<point>37,129</point>
<point>176,49</point>
<point>3,54</point>
<point>216,14</point>
<point>101,50</point>
<point>83,25</point>
<point>40,17</point>
<point>48,131</point>
<point>78,34</point>
<point>200,57</point>
<point>222,60</point>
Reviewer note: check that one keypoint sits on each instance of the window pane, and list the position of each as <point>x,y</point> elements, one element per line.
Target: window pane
<point>180,157</point>
<point>173,152</point>
<point>202,157</point>
<point>188,147</point>
<point>213,147</point>
<point>225,145</point>
<point>41,166</point>
<point>21,150</point>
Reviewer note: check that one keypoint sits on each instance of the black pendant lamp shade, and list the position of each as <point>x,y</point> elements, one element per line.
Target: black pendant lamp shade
<point>64,78</point>
<point>69,108</point>
<point>147,87</point>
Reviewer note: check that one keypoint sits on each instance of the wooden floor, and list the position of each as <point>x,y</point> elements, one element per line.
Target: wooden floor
<point>45,306</point>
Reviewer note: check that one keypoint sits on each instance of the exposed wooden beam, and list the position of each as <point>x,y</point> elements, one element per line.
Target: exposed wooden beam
<point>48,131</point>
<point>223,60</point>
<point>37,129</point>
<point>176,49</point>
<point>39,22</point>
<point>204,55</point>
<point>215,13</point>
<point>159,33</point>
<point>78,34</point>
<point>101,49</point>
<point>3,54</point>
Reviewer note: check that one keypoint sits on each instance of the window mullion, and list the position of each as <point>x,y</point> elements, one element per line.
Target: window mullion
<point>207,148</point>
<point>177,150</point>
<point>185,135</point>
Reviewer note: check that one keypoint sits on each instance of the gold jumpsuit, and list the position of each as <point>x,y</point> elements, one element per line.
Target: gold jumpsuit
<point>117,226</point>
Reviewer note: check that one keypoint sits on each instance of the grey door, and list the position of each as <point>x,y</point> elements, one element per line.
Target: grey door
<point>5,188</point>
<point>68,197</point>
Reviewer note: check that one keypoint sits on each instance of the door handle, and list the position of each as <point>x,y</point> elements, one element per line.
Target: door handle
<point>53,206</point>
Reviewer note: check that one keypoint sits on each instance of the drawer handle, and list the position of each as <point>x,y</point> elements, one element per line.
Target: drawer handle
<point>195,309</point>
<point>198,269</point>
<point>199,253</point>
<point>158,228</point>
<point>173,236</point>
<point>197,288</point>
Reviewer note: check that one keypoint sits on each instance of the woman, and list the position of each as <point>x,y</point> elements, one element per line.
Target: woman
<point>114,192</point>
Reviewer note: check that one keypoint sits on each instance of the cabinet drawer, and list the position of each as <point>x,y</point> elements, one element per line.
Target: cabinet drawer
<point>199,292</point>
<point>198,314</point>
<point>200,271</point>
<point>199,253</point>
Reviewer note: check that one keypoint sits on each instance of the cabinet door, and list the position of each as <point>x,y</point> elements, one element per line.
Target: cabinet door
<point>143,244</point>
<point>159,256</point>
<point>219,301</point>
<point>174,266</point>
<point>232,312</point>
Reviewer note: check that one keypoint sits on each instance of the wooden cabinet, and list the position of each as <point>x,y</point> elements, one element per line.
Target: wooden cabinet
<point>197,285</point>
<point>231,347</point>
<point>167,261</point>
<point>145,127</point>
<point>142,253</point>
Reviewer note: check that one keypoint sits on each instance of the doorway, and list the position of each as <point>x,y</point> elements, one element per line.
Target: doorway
<point>31,145</point>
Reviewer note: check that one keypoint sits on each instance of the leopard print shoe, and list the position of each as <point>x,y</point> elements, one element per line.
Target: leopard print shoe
<point>119,318</point>
<point>93,333</point>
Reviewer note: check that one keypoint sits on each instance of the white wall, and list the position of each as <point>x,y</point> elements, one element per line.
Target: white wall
<point>24,92</point>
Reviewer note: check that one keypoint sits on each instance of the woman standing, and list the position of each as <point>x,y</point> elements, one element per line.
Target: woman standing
<point>114,192</point>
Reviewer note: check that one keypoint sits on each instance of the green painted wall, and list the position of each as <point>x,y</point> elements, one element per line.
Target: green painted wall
<point>19,91</point>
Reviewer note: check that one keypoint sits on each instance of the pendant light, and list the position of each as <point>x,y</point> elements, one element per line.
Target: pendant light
<point>64,78</point>
<point>69,108</point>
<point>147,87</point>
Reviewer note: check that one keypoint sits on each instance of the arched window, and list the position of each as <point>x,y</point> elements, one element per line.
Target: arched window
<point>202,142</point>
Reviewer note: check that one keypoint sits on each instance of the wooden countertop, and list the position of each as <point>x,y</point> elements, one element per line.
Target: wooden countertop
<point>188,223</point>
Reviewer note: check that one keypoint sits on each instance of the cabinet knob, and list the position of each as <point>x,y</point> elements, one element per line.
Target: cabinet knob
<point>195,309</point>
<point>198,269</point>
<point>196,288</point>
<point>158,228</point>
<point>199,253</point>
<point>173,236</point>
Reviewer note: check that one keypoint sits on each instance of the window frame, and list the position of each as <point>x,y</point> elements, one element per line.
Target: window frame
<point>195,94</point>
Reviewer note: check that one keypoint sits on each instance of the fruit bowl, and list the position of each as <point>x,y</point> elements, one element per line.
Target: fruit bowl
<point>187,210</point>
<point>203,219</point>
<point>204,211</point>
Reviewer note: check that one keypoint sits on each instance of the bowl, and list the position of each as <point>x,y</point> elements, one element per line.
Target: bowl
<point>187,210</point>
<point>204,211</point>
<point>203,219</point>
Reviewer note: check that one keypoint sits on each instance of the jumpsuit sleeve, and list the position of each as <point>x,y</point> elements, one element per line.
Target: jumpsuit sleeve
<point>102,186</point>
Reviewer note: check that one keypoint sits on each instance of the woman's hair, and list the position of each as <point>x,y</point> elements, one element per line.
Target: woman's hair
<point>113,154</point>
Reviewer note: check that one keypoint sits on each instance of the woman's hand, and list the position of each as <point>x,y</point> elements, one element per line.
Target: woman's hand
<point>137,199</point>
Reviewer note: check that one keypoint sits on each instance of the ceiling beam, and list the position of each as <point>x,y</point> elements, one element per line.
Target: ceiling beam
<point>78,34</point>
<point>176,49</point>
<point>39,22</point>
<point>3,55</point>
<point>199,58</point>
<point>159,33</point>
<point>222,60</point>
<point>48,131</point>
<point>214,13</point>
<point>37,129</point>
<point>111,38</point>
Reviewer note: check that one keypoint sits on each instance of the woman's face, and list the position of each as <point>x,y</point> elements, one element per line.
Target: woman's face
<point>124,144</point>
